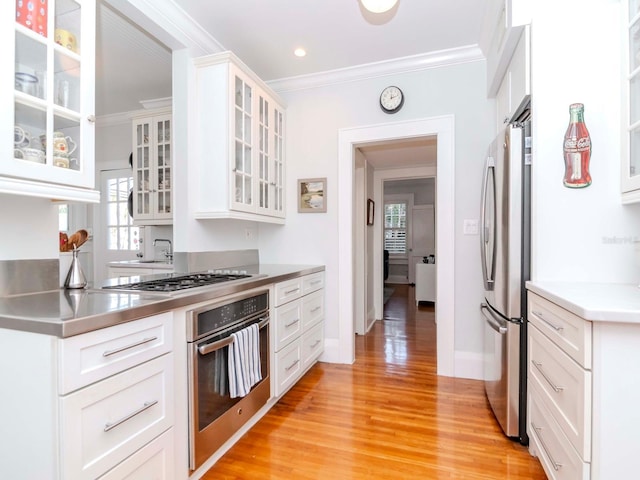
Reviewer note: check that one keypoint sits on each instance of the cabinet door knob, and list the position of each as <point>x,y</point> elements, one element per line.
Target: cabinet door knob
<point>91,118</point>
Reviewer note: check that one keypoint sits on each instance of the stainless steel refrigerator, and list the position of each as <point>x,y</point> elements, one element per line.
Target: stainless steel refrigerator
<point>505,252</point>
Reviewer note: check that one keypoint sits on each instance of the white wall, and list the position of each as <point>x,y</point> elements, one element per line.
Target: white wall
<point>314,117</point>
<point>583,234</point>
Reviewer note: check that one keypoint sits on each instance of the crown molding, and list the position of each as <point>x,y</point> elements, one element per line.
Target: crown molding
<point>170,24</point>
<point>114,119</point>
<point>440,58</point>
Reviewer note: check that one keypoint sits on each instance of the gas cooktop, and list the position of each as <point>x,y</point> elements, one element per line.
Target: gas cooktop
<point>182,282</point>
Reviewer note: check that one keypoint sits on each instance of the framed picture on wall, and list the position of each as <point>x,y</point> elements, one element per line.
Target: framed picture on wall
<point>312,195</point>
<point>370,211</point>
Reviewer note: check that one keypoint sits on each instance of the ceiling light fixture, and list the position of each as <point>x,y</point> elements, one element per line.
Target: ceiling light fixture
<point>378,6</point>
<point>299,52</point>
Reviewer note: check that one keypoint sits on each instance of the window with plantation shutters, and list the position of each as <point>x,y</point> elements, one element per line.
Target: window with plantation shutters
<point>395,228</point>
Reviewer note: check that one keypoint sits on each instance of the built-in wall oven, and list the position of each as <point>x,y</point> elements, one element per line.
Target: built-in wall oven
<point>213,415</point>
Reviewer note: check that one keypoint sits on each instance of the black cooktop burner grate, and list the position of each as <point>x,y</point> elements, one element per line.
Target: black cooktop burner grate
<point>173,284</point>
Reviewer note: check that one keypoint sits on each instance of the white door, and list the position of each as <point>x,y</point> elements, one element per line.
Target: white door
<point>116,237</point>
<point>422,236</point>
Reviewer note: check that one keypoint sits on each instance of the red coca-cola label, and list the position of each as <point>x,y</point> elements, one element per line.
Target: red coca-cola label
<point>574,144</point>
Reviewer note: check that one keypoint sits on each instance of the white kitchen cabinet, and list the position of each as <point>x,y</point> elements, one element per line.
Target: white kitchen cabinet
<point>153,461</point>
<point>82,405</point>
<point>515,88</point>
<point>125,268</point>
<point>510,18</point>
<point>583,393</point>
<point>152,168</point>
<point>425,282</point>
<point>104,423</point>
<point>630,162</point>
<point>124,272</point>
<point>239,142</point>
<point>49,100</point>
<point>298,328</point>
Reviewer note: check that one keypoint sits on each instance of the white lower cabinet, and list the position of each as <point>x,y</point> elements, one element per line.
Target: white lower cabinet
<point>155,461</point>
<point>298,328</point>
<point>583,393</point>
<point>559,390</point>
<point>92,405</point>
<point>106,422</point>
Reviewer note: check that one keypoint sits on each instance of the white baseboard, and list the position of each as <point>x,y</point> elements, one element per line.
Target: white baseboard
<point>468,365</point>
<point>371,319</point>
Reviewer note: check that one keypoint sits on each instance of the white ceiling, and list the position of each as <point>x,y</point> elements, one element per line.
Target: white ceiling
<point>132,66</point>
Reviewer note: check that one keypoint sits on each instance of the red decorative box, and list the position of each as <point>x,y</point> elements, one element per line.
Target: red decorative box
<point>33,15</point>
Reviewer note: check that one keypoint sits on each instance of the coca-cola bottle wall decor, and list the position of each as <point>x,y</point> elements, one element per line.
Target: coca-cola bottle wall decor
<point>577,150</point>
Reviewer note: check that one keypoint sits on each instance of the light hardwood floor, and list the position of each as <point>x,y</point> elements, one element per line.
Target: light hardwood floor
<point>388,416</point>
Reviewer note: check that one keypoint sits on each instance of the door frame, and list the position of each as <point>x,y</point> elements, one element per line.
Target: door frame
<point>343,348</point>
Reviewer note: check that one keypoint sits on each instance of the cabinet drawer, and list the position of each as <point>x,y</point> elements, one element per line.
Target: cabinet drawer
<point>312,309</point>
<point>92,356</point>
<point>571,333</point>
<point>105,423</point>
<point>288,366</point>
<point>288,323</point>
<point>154,461</point>
<point>565,389</point>
<point>313,282</point>
<point>559,459</point>
<point>287,291</point>
<point>312,345</point>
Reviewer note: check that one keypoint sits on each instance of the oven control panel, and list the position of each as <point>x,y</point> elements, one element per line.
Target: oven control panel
<point>211,320</point>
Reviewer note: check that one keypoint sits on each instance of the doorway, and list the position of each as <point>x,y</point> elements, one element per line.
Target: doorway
<point>348,142</point>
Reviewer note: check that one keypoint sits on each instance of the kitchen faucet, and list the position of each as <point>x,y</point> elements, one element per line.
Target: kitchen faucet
<point>167,253</point>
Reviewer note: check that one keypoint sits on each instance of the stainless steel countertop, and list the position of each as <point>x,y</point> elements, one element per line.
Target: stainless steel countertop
<point>65,313</point>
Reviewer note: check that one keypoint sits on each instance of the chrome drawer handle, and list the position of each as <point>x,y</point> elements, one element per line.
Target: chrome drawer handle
<point>538,365</point>
<point>313,310</point>
<point>127,347</point>
<point>555,327</point>
<point>286,369</point>
<point>292,323</point>
<point>147,405</point>
<point>316,282</point>
<point>315,344</point>
<point>292,291</point>
<point>556,466</point>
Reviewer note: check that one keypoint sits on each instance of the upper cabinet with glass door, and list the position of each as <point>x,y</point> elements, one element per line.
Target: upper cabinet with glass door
<point>152,168</point>
<point>630,168</point>
<point>240,142</point>
<point>51,110</point>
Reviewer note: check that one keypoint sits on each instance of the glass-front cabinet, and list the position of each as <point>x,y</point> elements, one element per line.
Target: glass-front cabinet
<point>630,171</point>
<point>51,114</point>
<point>243,118</point>
<point>240,143</point>
<point>151,163</point>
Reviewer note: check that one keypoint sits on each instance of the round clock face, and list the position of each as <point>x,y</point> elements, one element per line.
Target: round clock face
<point>391,99</point>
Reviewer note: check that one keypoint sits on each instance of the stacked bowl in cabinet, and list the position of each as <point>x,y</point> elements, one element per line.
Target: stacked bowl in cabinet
<point>560,390</point>
<point>298,328</point>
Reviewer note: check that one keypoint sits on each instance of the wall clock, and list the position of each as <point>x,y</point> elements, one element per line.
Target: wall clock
<point>391,99</point>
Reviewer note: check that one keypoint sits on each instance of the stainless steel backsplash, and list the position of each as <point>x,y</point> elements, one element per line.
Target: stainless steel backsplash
<point>28,276</point>
<point>200,261</point>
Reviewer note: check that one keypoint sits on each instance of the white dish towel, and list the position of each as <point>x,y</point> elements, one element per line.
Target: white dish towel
<point>244,361</point>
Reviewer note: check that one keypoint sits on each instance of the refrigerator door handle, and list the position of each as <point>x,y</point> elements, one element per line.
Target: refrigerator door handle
<point>487,275</point>
<point>493,322</point>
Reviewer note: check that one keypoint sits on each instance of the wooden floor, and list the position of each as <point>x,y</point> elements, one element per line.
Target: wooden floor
<point>388,416</point>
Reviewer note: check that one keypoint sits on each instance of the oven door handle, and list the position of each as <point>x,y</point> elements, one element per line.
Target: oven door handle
<point>213,346</point>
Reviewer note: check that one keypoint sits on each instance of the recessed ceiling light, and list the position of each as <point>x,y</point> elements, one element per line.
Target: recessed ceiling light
<point>299,52</point>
